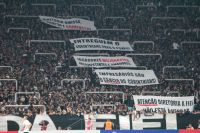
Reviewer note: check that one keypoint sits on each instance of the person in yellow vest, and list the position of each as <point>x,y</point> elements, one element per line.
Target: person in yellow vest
<point>108,125</point>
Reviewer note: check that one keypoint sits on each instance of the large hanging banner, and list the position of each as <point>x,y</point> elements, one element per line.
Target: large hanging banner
<point>161,104</point>
<point>101,61</point>
<point>100,44</point>
<point>69,24</point>
<point>127,77</point>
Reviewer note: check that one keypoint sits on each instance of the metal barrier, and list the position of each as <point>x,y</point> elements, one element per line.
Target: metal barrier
<point>192,80</point>
<point>144,42</point>
<point>102,105</point>
<point>10,106</point>
<point>107,92</point>
<point>181,6</point>
<point>85,5</point>
<point>16,82</point>
<point>34,56</point>
<point>11,68</point>
<point>176,30</point>
<point>151,92</point>
<point>15,28</point>
<point>76,80</point>
<point>114,17</point>
<point>48,41</point>
<point>191,42</point>
<point>114,30</point>
<point>19,16</point>
<point>145,6</point>
<point>41,4</point>
<point>175,18</point>
<point>4,4</point>
<point>170,67</point>
<point>17,93</point>
<point>145,54</point>
<point>92,54</point>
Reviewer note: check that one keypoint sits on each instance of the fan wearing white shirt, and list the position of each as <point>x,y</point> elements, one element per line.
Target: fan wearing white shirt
<point>26,124</point>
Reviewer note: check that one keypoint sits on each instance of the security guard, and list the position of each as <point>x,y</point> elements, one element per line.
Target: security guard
<point>108,125</point>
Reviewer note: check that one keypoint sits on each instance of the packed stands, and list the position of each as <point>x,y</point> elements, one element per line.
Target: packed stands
<point>37,65</point>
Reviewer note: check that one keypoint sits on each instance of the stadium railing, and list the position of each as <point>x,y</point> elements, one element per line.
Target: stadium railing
<point>106,92</point>
<point>74,80</point>
<point>26,93</point>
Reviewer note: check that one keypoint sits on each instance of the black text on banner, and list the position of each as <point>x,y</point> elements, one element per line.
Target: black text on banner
<point>69,24</point>
<point>127,77</point>
<point>100,44</point>
<point>98,62</point>
<point>162,104</point>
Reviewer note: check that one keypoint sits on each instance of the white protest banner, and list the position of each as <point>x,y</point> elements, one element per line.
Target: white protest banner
<point>100,44</point>
<point>127,77</point>
<point>69,24</point>
<point>162,104</point>
<point>101,61</point>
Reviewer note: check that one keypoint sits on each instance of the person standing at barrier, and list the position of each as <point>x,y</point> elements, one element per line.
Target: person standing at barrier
<point>89,125</point>
<point>108,125</point>
<point>190,127</point>
<point>26,124</point>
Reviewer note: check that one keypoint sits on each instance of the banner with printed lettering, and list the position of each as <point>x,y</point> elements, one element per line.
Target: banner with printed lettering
<point>127,77</point>
<point>69,24</point>
<point>162,104</point>
<point>101,61</point>
<point>100,44</point>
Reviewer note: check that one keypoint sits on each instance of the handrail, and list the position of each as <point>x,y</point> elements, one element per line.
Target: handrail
<point>92,54</point>
<point>106,92</point>
<point>51,41</point>
<point>56,68</point>
<point>4,4</point>
<point>137,6</point>
<point>159,92</point>
<point>76,80</point>
<point>20,16</point>
<point>182,6</point>
<point>152,92</point>
<point>114,17</point>
<point>193,42</point>
<point>104,105</point>
<point>145,54</point>
<point>85,5</point>
<point>16,93</point>
<point>113,30</point>
<point>181,18</point>
<point>183,30</point>
<point>16,82</point>
<point>16,105</point>
<point>11,68</point>
<point>181,80</point>
<point>144,42</point>
<point>166,67</point>
<point>44,54</point>
<point>40,4</point>
<point>17,28</point>
<point>198,18</point>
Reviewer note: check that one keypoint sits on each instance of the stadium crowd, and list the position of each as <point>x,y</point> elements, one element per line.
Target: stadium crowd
<point>41,66</point>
